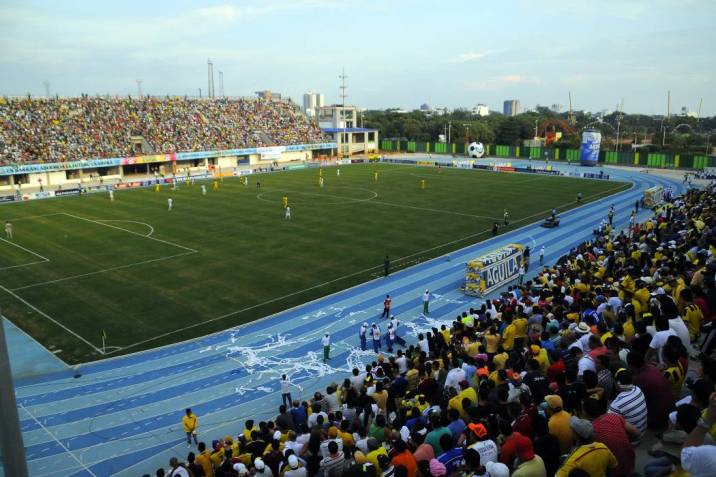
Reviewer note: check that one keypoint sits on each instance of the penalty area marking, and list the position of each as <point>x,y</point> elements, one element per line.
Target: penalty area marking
<point>188,251</point>
<point>42,259</point>
<point>37,310</point>
<point>151,229</point>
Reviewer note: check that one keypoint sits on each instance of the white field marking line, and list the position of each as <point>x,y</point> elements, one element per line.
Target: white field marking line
<point>189,251</point>
<point>30,217</point>
<point>43,259</point>
<point>346,200</point>
<point>105,270</point>
<point>450,212</point>
<point>151,229</point>
<point>236,312</point>
<point>37,310</point>
<point>166,242</point>
<point>74,457</point>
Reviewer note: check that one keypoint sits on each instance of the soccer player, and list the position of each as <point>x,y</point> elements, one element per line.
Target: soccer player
<point>326,342</point>
<point>495,228</point>
<point>203,189</point>
<point>111,194</point>
<point>386,307</point>
<point>287,215</point>
<point>579,197</point>
<point>506,216</point>
<point>216,185</point>
<point>422,183</point>
<point>170,203</point>
<point>386,266</point>
<point>285,201</point>
<point>258,184</point>
<point>156,187</point>
<point>320,181</point>
<point>375,177</point>
<point>338,172</point>
<point>8,229</point>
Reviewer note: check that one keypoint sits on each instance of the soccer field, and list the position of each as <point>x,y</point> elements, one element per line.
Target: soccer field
<point>81,266</point>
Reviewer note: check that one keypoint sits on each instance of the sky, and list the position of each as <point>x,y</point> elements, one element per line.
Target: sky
<point>397,53</point>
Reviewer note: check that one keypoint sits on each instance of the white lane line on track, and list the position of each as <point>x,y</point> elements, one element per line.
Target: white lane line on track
<point>273,300</point>
<point>69,452</point>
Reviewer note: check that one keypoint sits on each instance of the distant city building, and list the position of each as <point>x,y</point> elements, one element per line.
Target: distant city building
<point>396,110</point>
<point>341,124</point>
<point>689,114</point>
<point>557,108</point>
<point>481,110</point>
<point>425,107</point>
<point>268,94</point>
<point>511,107</point>
<point>312,102</point>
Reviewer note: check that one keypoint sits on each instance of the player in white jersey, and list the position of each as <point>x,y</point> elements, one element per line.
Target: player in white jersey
<point>203,189</point>
<point>287,215</point>
<point>111,194</point>
<point>338,172</point>
<point>8,230</point>
<point>170,203</point>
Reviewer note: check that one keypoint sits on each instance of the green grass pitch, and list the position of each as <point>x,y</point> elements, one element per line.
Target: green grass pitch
<point>81,265</point>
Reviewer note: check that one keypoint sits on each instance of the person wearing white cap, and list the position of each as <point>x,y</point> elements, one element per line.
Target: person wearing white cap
<point>261,469</point>
<point>426,302</point>
<point>241,469</point>
<point>362,336</point>
<point>295,469</point>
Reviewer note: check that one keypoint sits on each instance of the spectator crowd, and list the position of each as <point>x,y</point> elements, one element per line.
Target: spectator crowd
<point>67,129</point>
<point>563,375</point>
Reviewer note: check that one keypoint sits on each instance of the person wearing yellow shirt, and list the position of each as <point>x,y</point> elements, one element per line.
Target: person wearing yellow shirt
<point>204,460</point>
<point>520,323</point>
<point>189,423</point>
<point>492,339</point>
<point>540,354</point>
<point>374,451</point>
<point>500,359</point>
<point>595,458</point>
<point>642,294</point>
<point>508,335</point>
<point>693,316</point>
<point>581,287</point>
<point>446,333</point>
<point>248,428</point>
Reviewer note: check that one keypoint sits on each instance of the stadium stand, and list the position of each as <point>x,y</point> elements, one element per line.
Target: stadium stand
<point>53,130</point>
<point>561,376</point>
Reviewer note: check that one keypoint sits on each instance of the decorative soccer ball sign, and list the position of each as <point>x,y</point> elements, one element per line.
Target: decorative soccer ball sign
<point>475,149</point>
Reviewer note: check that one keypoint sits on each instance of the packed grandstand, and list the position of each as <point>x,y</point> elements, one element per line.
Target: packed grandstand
<point>564,375</point>
<point>68,129</point>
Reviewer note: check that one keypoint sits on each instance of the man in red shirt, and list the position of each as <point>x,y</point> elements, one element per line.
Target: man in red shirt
<point>613,431</point>
<point>386,307</point>
<point>656,388</point>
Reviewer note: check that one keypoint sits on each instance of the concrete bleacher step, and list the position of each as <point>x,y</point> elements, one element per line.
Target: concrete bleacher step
<point>138,142</point>
<point>265,138</point>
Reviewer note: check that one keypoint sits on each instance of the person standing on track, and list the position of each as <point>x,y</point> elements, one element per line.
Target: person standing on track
<point>426,302</point>
<point>8,229</point>
<point>189,423</point>
<point>395,323</point>
<point>286,391</point>
<point>375,331</point>
<point>495,228</point>
<point>326,342</point>
<point>386,307</point>
<point>541,255</point>
<point>362,336</point>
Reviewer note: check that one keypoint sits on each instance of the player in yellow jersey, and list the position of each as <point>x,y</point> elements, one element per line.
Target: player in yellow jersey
<point>216,185</point>
<point>285,201</point>
<point>156,188</point>
<point>422,184</point>
<point>375,177</point>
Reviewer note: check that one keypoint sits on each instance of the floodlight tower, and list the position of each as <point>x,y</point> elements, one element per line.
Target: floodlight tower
<point>343,96</point>
<point>210,74</point>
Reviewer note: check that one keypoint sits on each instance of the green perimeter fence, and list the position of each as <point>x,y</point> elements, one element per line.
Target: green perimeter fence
<point>644,159</point>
